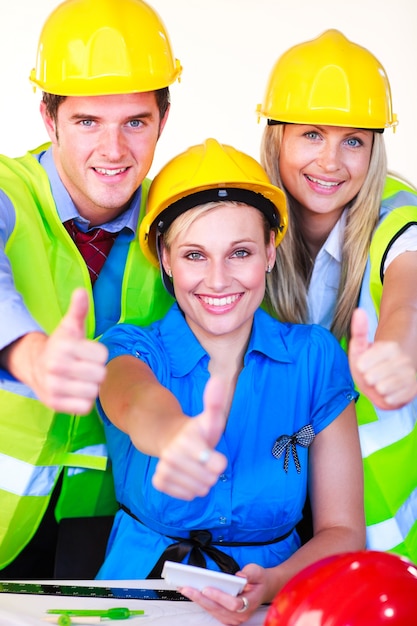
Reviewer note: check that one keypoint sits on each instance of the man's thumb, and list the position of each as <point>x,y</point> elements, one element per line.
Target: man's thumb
<point>73,322</point>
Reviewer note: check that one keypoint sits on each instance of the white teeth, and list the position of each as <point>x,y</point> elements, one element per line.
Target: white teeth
<point>101,170</point>
<point>323,183</point>
<point>219,301</point>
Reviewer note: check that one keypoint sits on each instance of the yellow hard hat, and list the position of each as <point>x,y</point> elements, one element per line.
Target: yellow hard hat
<point>204,173</point>
<point>329,81</point>
<point>102,47</point>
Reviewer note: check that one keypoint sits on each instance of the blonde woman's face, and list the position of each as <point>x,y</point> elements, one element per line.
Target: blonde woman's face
<point>324,167</point>
<point>218,264</point>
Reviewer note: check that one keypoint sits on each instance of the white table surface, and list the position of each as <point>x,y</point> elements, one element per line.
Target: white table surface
<point>17,609</point>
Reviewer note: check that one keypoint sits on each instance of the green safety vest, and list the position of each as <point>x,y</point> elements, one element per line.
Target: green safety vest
<point>389,438</point>
<point>35,442</point>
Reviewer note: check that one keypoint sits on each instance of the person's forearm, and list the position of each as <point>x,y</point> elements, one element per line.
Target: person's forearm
<point>20,357</point>
<point>155,420</point>
<point>139,405</point>
<point>400,327</point>
<point>325,543</point>
<point>398,311</point>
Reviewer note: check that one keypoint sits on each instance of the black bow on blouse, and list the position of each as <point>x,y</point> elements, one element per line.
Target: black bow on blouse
<point>303,437</point>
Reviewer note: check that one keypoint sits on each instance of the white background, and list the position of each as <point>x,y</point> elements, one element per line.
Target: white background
<point>227,49</point>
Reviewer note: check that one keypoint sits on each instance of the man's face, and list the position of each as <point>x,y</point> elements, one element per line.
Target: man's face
<point>103,148</point>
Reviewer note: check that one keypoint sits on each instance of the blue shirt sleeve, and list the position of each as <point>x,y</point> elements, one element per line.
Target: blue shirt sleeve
<point>124,339</point>
<point>332,387</point>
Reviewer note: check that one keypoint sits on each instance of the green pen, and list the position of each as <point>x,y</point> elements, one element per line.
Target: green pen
<point>115,613</point>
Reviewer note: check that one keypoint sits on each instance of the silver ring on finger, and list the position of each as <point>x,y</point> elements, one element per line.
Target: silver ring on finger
<point>245,605</point>
<point>204,456</point>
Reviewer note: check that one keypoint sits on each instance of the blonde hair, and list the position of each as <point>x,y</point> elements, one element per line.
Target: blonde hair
<point>287,285</point>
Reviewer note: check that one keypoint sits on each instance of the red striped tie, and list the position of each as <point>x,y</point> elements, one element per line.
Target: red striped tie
<point>94,246</point>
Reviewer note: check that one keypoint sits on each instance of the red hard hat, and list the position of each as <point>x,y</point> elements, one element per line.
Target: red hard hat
<point>366,588</point>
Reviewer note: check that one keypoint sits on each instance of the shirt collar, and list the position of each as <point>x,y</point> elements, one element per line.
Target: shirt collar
<point>67,209</point>
<point>182,347</point>
<point>268,338</point>
<point>334,242</point>
<point>184,350</point>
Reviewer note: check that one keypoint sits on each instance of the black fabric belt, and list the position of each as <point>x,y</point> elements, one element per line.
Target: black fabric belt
<point>196,545</point>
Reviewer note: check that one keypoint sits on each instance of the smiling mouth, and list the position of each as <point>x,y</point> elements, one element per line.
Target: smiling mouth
<point>106,172</point>
<point>219,301</point>
<point>323,183</point>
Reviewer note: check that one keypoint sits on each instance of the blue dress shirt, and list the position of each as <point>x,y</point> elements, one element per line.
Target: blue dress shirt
<point>293,375</point>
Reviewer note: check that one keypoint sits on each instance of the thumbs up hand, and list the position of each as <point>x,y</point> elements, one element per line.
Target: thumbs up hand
<point>382,370</point>
<point>189,465</point>
<point>69,368</point>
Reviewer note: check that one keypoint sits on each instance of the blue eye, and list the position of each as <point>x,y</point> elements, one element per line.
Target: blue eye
<point>353,142</point>
<point>311,134</point>
<point>194,256</point>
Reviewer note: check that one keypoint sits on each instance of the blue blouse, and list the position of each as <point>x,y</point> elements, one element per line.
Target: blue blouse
<point>293,376</point>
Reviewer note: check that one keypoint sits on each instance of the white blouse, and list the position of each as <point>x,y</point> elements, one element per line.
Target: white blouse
<point>322,291</point>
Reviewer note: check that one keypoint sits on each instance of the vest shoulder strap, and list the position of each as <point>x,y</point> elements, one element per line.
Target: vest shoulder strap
<point>398,212</point>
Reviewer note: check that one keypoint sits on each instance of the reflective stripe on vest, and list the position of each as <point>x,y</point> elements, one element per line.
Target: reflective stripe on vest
<point>25,479</point>
<point>391,533</point>
<point>391,428</point>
